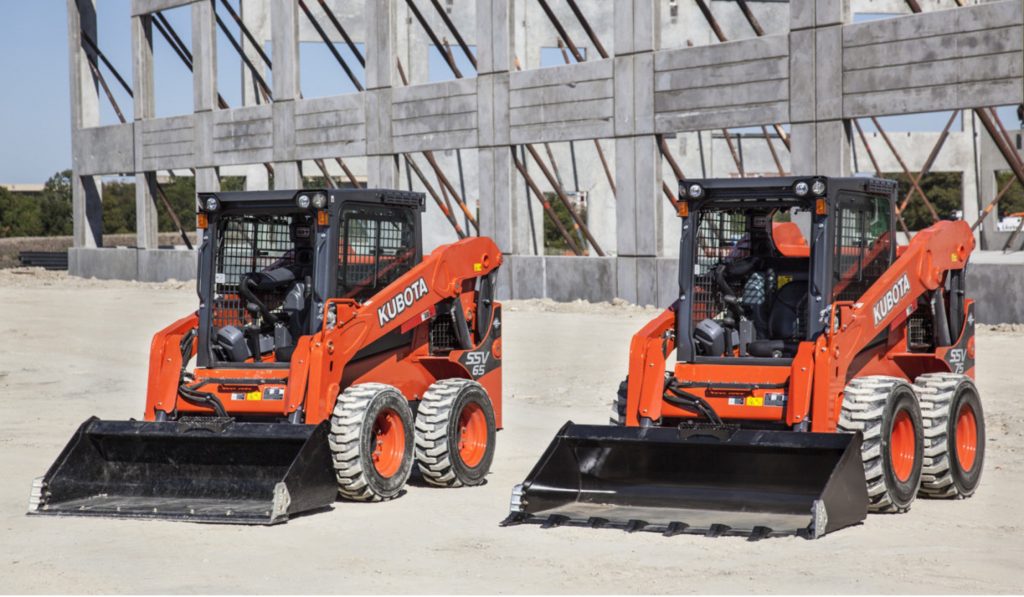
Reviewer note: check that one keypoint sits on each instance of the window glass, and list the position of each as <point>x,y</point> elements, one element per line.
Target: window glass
<point>376,245</point>
<point>863,245</point>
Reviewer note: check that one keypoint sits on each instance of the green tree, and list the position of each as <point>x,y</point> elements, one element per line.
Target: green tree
<point>55,205</point>
<point>1013,201</point>
<point>944,190</point>
<point>19,215</point>
<point>554,242</point>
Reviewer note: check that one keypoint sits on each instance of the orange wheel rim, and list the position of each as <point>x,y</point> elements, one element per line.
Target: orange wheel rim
<point>472,436</point>
<point>966,437</point>
<point>388,437</point>
<point>901,446</point>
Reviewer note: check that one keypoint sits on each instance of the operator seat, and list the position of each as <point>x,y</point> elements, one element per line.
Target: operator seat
<point>788,306</point>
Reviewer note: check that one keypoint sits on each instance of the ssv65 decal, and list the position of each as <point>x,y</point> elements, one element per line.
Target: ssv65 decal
<point>891,298</point>
<point>401,301</point>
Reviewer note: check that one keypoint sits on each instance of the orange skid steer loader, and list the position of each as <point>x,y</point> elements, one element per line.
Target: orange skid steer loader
<point>821,371</point>
<point>327,357</point>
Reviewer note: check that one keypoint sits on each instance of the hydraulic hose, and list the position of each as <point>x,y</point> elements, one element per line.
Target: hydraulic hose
<point>680,398</point>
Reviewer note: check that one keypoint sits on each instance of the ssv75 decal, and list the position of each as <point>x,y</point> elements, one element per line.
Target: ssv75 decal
<point>401,301</point>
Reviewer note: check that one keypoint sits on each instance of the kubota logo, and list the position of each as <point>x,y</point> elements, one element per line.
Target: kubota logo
<point>401,301</point>
<point>890,299</point>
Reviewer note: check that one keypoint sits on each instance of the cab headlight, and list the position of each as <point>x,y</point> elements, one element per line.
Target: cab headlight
<point>212,204</point>
<point>319,200</point>
<point>302,201</point>
<point>800,189</point>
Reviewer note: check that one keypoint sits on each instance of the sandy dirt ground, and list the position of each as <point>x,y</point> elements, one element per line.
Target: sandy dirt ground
<point>75,348</point>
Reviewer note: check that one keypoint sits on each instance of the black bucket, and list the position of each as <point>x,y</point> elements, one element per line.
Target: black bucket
<point>200,470</point>
<point>696,479</point>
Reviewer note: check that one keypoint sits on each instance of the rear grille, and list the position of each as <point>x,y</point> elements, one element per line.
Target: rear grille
<point>920,332</point>
<point>442,335</point>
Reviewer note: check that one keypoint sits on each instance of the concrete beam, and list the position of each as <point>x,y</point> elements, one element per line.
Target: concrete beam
<point>104,149</point>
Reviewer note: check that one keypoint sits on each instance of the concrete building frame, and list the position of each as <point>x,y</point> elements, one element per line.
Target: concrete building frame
<point>813,71</point>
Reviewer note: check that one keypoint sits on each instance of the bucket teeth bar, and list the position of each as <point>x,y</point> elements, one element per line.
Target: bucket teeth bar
<point>213,470</point>
<point>721,482</point>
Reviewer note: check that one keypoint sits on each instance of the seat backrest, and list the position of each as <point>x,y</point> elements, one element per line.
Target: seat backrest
<point>787,307</point>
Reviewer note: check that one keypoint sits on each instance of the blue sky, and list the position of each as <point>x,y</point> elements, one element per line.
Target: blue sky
<point>35,138</point>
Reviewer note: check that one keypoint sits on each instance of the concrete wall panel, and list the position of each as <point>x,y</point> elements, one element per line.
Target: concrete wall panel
<point>164,143</point>
<point>243,135</point>
<point>104,149</point>
<point>571,278</point>
<point>935,61</point>
<point>730,84</point>
<point>330,126</point>
<point>562,103</point>
<point>435,115</point>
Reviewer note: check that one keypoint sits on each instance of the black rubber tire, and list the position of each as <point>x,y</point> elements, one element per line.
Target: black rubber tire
<point>617,417</point>
<point>870,405</point>
<point>351,441</point>
<point>943,395</point>
<point>437,433</point>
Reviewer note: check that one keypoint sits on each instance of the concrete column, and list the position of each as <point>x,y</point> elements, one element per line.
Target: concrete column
<point>284,17</point>
<point>504,211</point>
<point>204,57</point>
<point>144,107</point>
<point>86,195</point>
<point>287,175</point>
<point>638,171</point>
<point>381,39</point>
<point>820,139</point>
<point>638,203</point>
<point>381,76</point>
<point>382,171</point>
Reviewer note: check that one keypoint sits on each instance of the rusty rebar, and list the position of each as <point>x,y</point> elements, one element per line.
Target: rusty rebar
<point>430,190</point>
<point>587,28</point>
<point>245,59</point>
<point>330,46</point>
<point>579,224</point>
<point>151,176</point>
<point>433,38</point>
<point>103,58</point>
<point>455,32</point>
<point>106,89</point>
<point>906,171</point>
<point>562,33</point>
<point>341,31</point>
<point>245,31</point>
<point>878,171</point>
<point>932,155</point>
<point>771,148</point>
<point>992,204</point>
<point>545,203</point>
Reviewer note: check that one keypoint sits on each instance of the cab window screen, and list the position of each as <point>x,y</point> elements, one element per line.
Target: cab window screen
<point>248,244</point>
<point>863,246</point>
<point>376,245</point>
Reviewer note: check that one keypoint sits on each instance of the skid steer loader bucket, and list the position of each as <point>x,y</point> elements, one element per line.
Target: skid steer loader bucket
<point>201,470</point>
<point>696,479</point>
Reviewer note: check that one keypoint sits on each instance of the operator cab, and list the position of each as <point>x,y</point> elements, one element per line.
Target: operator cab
<point>269,260</point>
<point>753,273</point>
